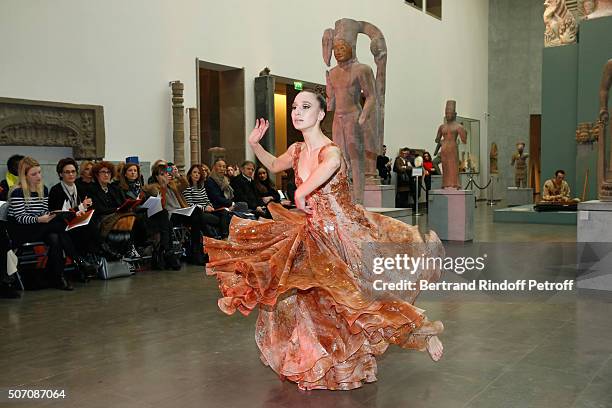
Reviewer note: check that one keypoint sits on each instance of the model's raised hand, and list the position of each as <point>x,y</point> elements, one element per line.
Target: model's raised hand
<point>261,126</point>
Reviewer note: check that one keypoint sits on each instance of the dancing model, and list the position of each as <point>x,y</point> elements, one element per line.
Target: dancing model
<point>309,272</point>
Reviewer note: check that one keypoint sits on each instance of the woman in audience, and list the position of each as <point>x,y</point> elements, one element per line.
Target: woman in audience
<point>129,181</point>
<point>106,197</point>
<point>65,196</point>
<point>195,194</point>
<point>29,220</point>
<point>156,228</point>
<point>265,187</point>
<point>172,198</point>
<point>85,182</point>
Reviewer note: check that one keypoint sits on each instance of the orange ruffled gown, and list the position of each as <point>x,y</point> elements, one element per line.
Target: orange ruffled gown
<point>320,322</point>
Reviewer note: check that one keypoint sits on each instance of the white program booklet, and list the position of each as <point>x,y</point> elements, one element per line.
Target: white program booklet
<point>184,211</point>
<point>153,205</point>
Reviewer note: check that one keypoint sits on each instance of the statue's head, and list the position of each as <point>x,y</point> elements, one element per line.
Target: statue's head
<point>450,112</point>
<point>345,33</point>
<point>520,146</point>
<point>342,50</point>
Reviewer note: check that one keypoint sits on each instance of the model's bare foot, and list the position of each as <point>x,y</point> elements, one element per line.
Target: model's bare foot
<point>435,348</point>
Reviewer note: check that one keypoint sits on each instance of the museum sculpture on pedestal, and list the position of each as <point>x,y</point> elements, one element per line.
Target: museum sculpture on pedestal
<point>604,169</point>
<point>519,161</point>
<point>560,24</point>
<point>446,140</point>
<point>493,159</point>
<point>596,8</point>
<point>357,131</point>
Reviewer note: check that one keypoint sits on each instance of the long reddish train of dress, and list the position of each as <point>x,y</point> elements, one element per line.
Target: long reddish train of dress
<point>320,322</point>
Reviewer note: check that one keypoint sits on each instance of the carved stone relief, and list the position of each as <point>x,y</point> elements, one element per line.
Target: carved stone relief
<point>40,123</point>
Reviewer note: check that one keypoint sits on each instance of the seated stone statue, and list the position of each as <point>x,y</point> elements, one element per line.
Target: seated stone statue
<point>557,190</point>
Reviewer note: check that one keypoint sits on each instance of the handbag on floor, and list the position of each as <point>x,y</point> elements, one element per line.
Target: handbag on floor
<point>114,269</point>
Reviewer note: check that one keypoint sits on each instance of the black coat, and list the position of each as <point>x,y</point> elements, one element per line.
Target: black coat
<point>106,203</point>
<point>57,197</point>
<point>215,194</point>
<point>244,190</point>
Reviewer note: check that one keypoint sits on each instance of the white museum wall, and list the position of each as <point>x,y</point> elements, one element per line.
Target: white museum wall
<point>122,53</point>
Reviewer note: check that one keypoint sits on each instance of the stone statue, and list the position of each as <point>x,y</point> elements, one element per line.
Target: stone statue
<point>446,140</point>
<point>493,159</point>
<point>519,161</point>
<point>560,24</point>
<point>605,174</point>
<point>596,8</point>
<point>357,130</point>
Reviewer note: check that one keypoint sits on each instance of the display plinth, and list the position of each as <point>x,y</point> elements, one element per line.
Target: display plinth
<point>436,182</point>
<point>379,195</point>
<point>594,245</point>
<point>519,196</point>
<point>451,214</point>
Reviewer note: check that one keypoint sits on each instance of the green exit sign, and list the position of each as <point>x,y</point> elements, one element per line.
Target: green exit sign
<point>298,86</point>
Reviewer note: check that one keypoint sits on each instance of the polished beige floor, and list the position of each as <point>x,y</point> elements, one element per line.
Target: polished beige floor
<point>158,340</point>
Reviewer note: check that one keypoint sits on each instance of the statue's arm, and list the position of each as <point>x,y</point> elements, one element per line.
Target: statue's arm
<point>462,134</point>
<point>438,140</point>
<point>513,159</point>
<point>368,87</point>
<point>329,90</point>
<point>604,89</point>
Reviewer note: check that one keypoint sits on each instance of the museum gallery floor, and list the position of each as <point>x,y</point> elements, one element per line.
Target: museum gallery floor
<point>158,340</point>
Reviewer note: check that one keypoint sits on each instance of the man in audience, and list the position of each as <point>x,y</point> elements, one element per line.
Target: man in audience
<point>244,190</point>
<point>11,177</point>
<point>218,188</point>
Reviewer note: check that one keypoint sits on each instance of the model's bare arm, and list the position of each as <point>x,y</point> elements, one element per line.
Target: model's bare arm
<point>271,162</point>
<point>331,162</point>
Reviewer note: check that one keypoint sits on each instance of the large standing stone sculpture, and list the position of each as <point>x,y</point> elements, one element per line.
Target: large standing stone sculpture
<point>604,168</point>
<point>597,8</point>
<point>560,24</point>
<point>519,161</point>
<point>493,159</point>
<point>357,130</point>
<point>178,124</point>
<point>446,140</point>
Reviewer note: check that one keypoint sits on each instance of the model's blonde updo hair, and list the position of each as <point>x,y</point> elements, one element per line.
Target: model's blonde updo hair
<point>24,166</point>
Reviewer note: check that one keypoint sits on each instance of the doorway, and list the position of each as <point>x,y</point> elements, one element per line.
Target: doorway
<point>221,113</point>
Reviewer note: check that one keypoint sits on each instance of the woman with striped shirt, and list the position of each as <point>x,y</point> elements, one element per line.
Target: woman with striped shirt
<point>29,220</point>
<point>196,194</point>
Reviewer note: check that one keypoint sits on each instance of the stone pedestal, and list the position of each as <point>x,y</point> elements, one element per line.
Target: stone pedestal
<point>451,214</point>
<point>519,196</point>
<point>436,182</point>
<point>594,242</point>
<point>379,195</point>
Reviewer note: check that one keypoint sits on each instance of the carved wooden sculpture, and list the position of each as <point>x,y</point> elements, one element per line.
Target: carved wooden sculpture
<point>358,131</point>
<point>560,24</point>
<point>178,124</point>
<point>604,168</point>
<point>519,161</point>
<point>194,139</point>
